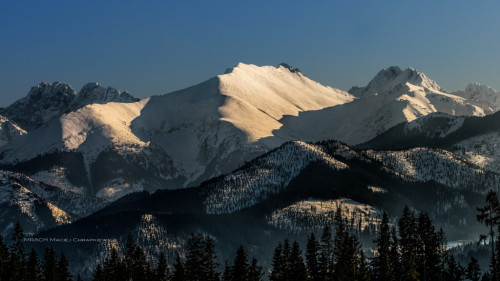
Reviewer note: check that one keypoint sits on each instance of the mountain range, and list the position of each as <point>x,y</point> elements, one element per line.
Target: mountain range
<point>261,144</point>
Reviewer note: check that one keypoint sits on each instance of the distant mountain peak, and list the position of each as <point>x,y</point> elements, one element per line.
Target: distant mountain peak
<point>476,91</point>
<point>289,67</point>
<point>393,77</point>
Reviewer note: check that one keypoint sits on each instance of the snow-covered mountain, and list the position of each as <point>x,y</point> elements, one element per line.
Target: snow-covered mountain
<point>9,130</point>
<point>392,96</point>
<point>45,102</point>
<point>483,96</point>
<point>179,138</point>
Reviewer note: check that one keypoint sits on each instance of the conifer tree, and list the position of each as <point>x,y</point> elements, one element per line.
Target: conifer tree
<point>98,274</point>
<point>429,249</point>
<point>33,267</point>
<point>113,268</point>
<point>312,258</point>
<point>49,264</point>
<point>161,271</point>
<point>226,274</point>
<point>346,250</point>
<point>326,254</point>
<point>4,260</point>
<point>79,278</point>
<point>194,257</point>
<point>382,262</point>
<point>63,273</point>
<point>297,269</point>
<point>17,261</point>
<point>210,260</point>
<point>363,268</point>
<point>240,265</point>
<point>255,271</point>
<point>408,242</point>
<point>490,216</point>
<point>179,273</point>
<point>278,265</point>
<point>395,258</point>
<point>452,270</point>
<point>473,270</point>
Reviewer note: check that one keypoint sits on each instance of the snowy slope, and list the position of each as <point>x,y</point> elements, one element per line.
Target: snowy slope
<point>315,214</point>
<point>9,131</point>
<point>39,206</point>
<point>392,97</point>
<point>267,175</point>
<point>442,166</point>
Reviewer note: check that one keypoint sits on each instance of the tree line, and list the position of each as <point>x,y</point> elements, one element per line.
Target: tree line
<point>18,265</point>
<point>411,249</point>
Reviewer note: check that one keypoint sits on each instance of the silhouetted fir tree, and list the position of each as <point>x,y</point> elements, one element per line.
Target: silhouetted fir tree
<point>226,274</point>
<point>179,273</point>
<point>363,273</point>
<point>408,243</point>
<point>326,254</point>
<point>79,278</point>
<point>429,250</point>
<point>490,216</point>
<point>297,269</point>
<point>63,273</point>
<point>473,270</point>
<point>17,261</point>
<point>254,271</point>
<point>194,257</point>
<point>382,270</point>
<point>161,270</point>
<point>312,258</point>
<point>287,251</point>
<point>113,267</point>
<point>452,270</point>
<point>346,249</point>
<point>394,255</point>
<point>141,269</point>
<point>278,265</point>
<point>98,274</point>
<point>129,261</point>
<point>49,264</point>
<point>239,270</point>
<point>4,260</point>
<point>33,267</point>
<point>210,260</point>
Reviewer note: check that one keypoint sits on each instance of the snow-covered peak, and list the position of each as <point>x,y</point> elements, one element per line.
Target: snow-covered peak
<point>393,78</point>
<point>481,95</point>
<point>417,78</point>
<point>476,91</point>
<point>43,102</point>
<point>289,67</point>
<point>45,90</point>
<point>95,93</point>
<point>257,97</point>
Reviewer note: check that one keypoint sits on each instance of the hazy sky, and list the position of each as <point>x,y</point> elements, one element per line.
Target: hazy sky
<point>161,46</point>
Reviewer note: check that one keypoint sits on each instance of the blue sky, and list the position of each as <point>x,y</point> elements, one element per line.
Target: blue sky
<point>160,46</point>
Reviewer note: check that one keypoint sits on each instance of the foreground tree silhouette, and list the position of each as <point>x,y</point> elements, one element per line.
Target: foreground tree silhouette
<point>489,214</point>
